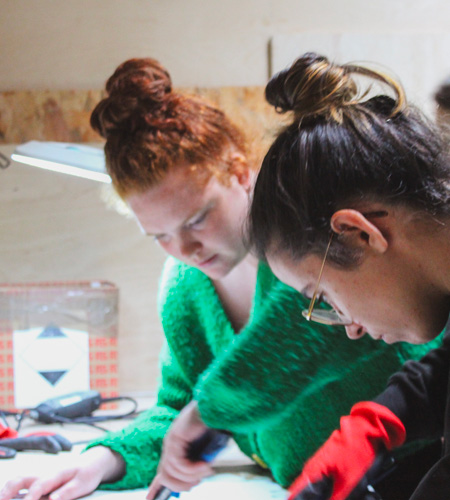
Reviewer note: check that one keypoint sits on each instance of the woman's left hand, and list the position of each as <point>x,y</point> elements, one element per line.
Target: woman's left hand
<point>175,470</point>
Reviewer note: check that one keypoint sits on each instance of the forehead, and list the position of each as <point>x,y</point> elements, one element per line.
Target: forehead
<point>176,197</point>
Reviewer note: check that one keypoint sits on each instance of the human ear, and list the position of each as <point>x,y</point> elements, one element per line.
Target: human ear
<point>240,168</point>
<point>359,230</point>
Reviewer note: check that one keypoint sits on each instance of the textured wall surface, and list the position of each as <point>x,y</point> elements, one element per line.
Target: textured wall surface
<point>63,115</point>
<point>56,227</point>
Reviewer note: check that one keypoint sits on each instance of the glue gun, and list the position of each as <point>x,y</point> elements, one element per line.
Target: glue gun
<point>205,448</point>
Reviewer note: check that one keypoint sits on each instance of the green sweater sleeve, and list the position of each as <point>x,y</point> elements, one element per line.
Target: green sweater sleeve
<point>280,360</point>
<point>140,443</point>
<point>183,292</point>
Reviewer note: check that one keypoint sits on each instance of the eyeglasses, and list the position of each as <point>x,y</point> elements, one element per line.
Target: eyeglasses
<point>331,316</point>
<point>324,316</point>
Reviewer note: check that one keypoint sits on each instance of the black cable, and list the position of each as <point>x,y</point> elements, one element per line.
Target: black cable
<point>21,416</point>
<point>90,420</point>
<point>63,420</point>
<point>18,417</point>
<point>3,419</point>
<point>103,418</point>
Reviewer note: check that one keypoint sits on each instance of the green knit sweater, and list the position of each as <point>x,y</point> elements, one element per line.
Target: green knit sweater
<point>279,386</point>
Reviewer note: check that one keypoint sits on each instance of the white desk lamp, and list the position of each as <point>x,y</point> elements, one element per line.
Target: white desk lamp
<point>68,158</point>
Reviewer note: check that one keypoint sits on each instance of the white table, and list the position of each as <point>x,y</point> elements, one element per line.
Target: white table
<point>237,476</point>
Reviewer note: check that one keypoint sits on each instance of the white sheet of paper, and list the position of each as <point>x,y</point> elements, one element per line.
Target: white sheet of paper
<point>236,486</point>
<point>229,486</point>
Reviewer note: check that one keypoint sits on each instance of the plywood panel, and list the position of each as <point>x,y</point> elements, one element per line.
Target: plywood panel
<point>63,115</point>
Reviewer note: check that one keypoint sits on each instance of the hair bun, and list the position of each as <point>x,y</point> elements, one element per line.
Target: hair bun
<point>137,88</point>
<point>442,95</point>
<point>311,86</point>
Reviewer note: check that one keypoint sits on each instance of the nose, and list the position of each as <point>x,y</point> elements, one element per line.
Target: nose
<point>189,246</point>
<point>355,331</point>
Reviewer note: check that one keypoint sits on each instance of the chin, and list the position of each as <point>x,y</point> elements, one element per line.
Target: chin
<point>218,273</point>
<point>394,338</point>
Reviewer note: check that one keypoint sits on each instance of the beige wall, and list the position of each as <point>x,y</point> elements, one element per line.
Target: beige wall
<point>77,43</point>
<point>54,227</point>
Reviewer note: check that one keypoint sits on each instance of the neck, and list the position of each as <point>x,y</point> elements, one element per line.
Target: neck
<point>247,265</point>
<point>236,291</point>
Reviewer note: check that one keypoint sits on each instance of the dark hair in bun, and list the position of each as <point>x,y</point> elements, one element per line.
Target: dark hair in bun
<point>149,128</point>
<point>342,148</point>
<point>442,95</point>
<point>313,87</point>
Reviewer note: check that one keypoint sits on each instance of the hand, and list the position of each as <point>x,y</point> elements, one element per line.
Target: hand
<point>341,463</point>
<point>98,464</point>
<point>175,470</point>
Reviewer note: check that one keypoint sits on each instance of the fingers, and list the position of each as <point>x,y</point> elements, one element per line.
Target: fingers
<point>13,486</point>
<point>154,488</point>
<point>51,486</point>
<point>175,470</point>
<point>182,475</point>
<point>65,485</point>
<point>36,487</point>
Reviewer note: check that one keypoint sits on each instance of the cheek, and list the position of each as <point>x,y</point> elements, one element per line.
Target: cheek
<point>367,305</point>
<point>168,247</point>
<point>347,295</point>
<point>222,231</point>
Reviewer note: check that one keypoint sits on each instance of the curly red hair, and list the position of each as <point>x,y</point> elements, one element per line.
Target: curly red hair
<point>150,129</point>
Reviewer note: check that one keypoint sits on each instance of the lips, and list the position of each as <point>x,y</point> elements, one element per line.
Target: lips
<point>207,261</point>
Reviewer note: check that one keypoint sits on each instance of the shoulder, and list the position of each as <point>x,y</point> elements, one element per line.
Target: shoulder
<point>184,291</point>
<point>178,278</point>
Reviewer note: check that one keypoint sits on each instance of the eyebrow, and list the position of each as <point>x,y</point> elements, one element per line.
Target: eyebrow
<point>196,214</point>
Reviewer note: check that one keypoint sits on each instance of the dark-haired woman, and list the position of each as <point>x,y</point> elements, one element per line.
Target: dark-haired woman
<point>352,208</point>
<point>233,340</point>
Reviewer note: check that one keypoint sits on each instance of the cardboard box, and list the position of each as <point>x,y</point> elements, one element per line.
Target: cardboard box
<point>57,338</point>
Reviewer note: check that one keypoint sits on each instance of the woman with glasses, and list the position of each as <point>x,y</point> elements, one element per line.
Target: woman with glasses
<point>352,208</point>
<point>234,343</point>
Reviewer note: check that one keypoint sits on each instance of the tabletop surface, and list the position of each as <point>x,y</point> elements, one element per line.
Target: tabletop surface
<point>236,473</point>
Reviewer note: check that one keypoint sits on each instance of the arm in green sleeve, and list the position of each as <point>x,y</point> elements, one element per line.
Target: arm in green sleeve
<point>276,354</point>
<point>140,442</point>
<point>280,360</point>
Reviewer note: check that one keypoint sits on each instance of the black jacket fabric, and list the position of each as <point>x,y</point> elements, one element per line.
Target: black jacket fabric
<point>419,395</point>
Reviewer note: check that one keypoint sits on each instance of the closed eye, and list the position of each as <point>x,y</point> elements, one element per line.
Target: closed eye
<point>194,223</point>
<point>160,238</point>
<point>322,300</point>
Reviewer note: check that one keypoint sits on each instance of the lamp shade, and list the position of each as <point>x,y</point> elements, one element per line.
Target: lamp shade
<point>68,158</point>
